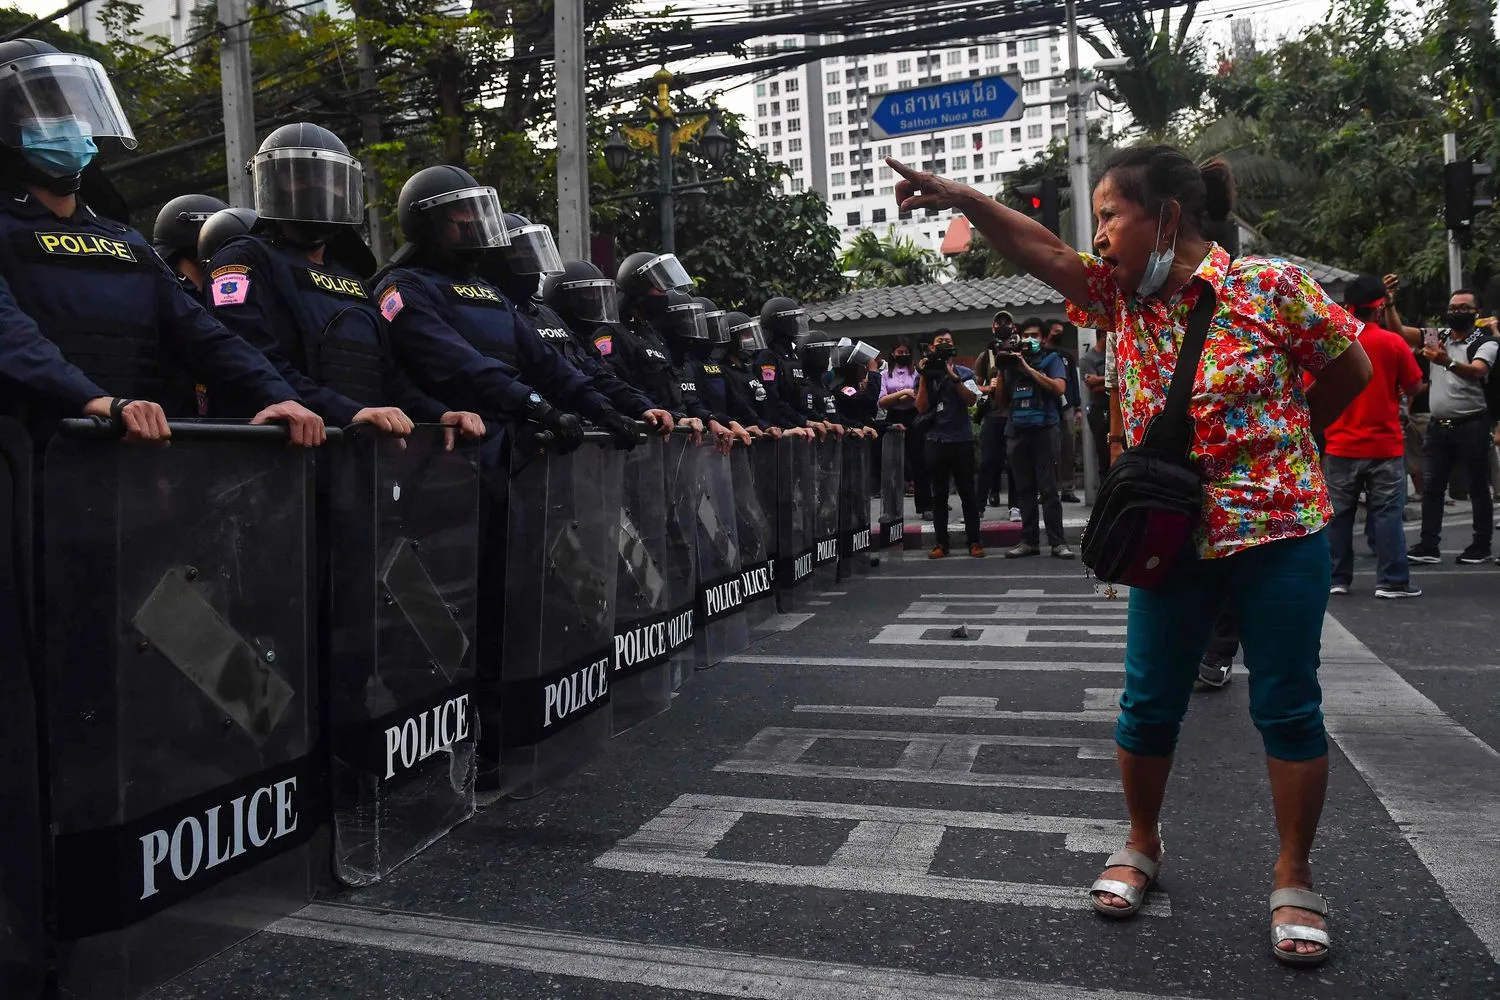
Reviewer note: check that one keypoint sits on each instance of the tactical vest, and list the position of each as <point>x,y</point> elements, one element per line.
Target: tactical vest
<point>551,328</point>
<point>477,310</point>
<point>92,286</point>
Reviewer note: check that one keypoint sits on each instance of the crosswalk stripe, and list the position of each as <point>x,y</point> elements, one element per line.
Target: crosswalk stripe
<point>892,663</point>
<point>1005,635</point>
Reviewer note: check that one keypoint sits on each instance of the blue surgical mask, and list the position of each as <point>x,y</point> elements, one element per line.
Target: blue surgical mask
<point>58,147</point>
<point>1158,264</point>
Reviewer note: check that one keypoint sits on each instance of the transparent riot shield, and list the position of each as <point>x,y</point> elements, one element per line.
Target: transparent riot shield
<point>641,684</point>
<point>827,477</point>
<point>679,480</point>
<point>182,696</point>
<point>755,527</point>
<point>22,955</point>
<point>854,509</point>
<point>403,540</point>
<point>722,628</point>
<point>891,518</point>
<point>796,502</point>
<point>561,560</point>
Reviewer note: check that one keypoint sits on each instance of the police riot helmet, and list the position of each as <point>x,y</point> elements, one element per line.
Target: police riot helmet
<point>853,352</point>
<point>685,317</point>
<point>177,224</point>
<point>745,330</point>
<point>582,292</point>
<point>715,319</point>
<point>445,205</point>
<point>783,318</point>
<point>531,250</point>
<point>221,227</point>
<point>815,348</point>
<point>642,271</point>
<point>304,173</point>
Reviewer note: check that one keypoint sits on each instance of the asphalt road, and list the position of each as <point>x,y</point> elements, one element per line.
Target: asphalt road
<point>861,806</point>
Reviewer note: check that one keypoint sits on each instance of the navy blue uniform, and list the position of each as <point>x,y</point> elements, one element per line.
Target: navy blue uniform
<point>317,324</point>
<point>462,341</point>
<point>857,400</point>
<point>724,392</point>
<point>88,309</point>
<point>639,355</point>
<point>780,372</point>
<point>584,356</point>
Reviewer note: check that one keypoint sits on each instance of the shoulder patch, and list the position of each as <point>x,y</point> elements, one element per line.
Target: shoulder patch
<point>230,286</point>
<point>391,304</point>
<point>848,390</point>
<point>219,272</point>
<point>768,373</point>
<point>605,344</point>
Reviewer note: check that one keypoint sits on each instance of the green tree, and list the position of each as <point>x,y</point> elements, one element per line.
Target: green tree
<point>889,261</point>
<point>1166,78</point>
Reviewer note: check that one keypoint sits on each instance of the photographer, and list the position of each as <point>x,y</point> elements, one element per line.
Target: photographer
<point>1035,384</point>
<point>992,413</point>
<point>946,391</point>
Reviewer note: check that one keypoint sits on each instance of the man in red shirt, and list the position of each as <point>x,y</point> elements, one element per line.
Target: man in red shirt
<point>1364,451</point>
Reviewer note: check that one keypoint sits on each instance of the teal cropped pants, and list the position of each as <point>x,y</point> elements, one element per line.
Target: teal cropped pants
<point>1278,591</point>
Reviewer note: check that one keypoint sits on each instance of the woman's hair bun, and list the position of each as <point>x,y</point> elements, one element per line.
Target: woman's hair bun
<point>1218,183</point>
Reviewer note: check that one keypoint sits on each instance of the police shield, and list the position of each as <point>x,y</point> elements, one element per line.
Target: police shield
<point>891,521</point>
<point>21,824</point>
<point>561,559</point>
<point>827,478</point>
<point>755,527</point>
<point>796,499</point>
<point>646,622</point>
<point>679,479</point>
<point>854,508</point>
<point>182,698</point>
<point>403,538</point>
<point>722,628</point>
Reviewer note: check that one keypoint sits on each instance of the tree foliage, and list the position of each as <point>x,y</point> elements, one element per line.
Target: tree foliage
<point>1166,78</point>
<point>890,261</point>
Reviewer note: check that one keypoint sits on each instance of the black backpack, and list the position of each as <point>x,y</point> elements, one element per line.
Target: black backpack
<point>1491,380</point>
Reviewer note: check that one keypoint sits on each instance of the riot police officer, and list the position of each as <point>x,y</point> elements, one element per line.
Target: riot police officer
<point>89,314</point>
<point>746,344</point>
<point>458,335</point>
<point>782,321</point>
<point>220,228</point>
<point>282,289</point>
<point>856,385</point>
<point>815,351</point>
<point>175,235</point>
<point>705,359</point>
<point>517,269</point>
<point>638,349</point>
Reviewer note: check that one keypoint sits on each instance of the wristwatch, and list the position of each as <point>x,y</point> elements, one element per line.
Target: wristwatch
<point>1450,364</point>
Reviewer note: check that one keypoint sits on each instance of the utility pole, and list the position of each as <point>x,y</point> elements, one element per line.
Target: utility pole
<point>239,105</point>
<point>1455,251</point>
<point>1083,226</point>
<point>370,133</point>
<point>572,131</point>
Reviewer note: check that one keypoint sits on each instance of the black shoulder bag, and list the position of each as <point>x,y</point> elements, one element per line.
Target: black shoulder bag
<point>1151,499</point>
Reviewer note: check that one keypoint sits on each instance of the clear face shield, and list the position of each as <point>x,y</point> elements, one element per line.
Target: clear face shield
<point>687,321</point>
<point>55,94</point>
<point>665,272</point>
<point>532,250</point>
<point>795,318</point>
<point>718,326</point>
<point>816,350</point>
<point>592,301</point>
<point>750,336</point>
<point>308,185</point>
<point>467,219</point>
<point>853,352</point>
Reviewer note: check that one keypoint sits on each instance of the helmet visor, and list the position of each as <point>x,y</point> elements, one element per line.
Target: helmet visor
<point>851,352</point>
<point>592,301</point>
<point>812,339</point>
<point>467,219</point>
<point>687,321</point>
<point>532,250</point>
<point>293,184</point>
<point>41,90</point>
<point>666,273</point>
<point>795,318</point>
<point>718,326</point>
<point>750,336</point>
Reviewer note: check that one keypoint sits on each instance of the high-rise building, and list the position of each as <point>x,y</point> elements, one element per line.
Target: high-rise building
<point>814,119</point>
<point>168,19</point>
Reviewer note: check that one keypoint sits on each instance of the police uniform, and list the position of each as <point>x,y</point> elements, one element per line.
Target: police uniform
<point>583,355</point>
<point>639,355</point>
<point>317,324</point>
<point>857,402</point>
<point>724,392</point>
<point>780,371</point>
<point>747,377</point>
<point>461,340</point>
<point>90,310</point>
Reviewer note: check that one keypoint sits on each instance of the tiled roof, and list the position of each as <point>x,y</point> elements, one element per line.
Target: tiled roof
<point>988,294</point>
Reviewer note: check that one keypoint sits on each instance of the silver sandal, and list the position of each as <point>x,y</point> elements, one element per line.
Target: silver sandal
<point>1302,899</point>
<point>1135,897</point>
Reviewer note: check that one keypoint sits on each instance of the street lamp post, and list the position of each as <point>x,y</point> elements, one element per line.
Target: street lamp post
<point>669,136</point>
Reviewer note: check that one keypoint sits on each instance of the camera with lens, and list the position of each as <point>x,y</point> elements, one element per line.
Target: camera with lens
<point>937,359</point>
<point>1007,350</point>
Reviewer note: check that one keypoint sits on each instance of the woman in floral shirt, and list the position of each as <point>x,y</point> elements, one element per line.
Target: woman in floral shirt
<point>1261,546</point>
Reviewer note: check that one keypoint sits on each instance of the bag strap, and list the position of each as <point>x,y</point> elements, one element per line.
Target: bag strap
<point>1169,432</point>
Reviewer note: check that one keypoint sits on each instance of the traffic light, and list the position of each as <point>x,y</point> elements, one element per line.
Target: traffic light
<point>1041,200</point>
<point>1466,193</point>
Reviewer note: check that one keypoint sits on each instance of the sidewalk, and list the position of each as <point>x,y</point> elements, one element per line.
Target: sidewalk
<point>996,530</point>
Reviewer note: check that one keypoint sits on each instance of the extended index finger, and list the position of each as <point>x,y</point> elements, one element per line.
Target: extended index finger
<point>908,172</point>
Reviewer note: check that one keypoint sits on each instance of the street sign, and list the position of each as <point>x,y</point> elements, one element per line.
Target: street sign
<point>941,106</point>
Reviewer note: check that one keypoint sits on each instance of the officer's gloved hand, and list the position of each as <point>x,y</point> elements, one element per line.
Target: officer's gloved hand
<point>621,428</point>
<point>567,429</point>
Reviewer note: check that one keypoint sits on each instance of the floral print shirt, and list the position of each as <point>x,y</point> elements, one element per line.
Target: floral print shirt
<point>1252,436</point>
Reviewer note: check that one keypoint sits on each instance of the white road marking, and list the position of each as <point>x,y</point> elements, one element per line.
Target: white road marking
<point>667,967</point>
<point>889,850</point>
<point>785,623</point>
<point>817,604</point>
<point>1099,705</point>
<point>883,663</point>
<point>1013,636</point>
<point>1438,781</point>
<point>1022,611</point>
